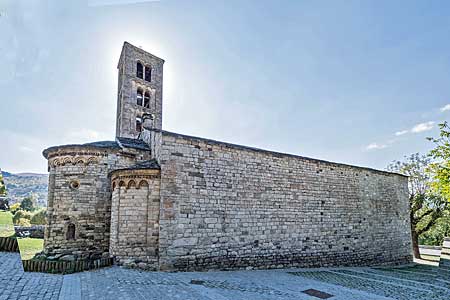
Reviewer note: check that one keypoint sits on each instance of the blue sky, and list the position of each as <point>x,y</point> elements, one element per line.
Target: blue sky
<point>359,82</point>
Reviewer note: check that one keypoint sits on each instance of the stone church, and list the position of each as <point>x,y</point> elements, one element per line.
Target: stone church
<point>161,200</point>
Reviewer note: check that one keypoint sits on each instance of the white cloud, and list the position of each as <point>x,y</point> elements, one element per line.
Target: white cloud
<point>375,146</point>
<point>418,128</point>
<point>402,132</point>
<point>445,108</point>
<point>422,127</point>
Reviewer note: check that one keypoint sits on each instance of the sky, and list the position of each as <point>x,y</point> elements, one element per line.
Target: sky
<point>357,82</point>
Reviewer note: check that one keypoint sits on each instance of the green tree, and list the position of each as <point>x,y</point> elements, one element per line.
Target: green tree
<point>39,217</point>
<point>27,204</point>
<point>435,236</point>
<point>441,165</point>
<point>2,186</point>
<point>426,207</point>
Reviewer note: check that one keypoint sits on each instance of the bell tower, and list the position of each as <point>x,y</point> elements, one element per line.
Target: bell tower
<point>139,90</point>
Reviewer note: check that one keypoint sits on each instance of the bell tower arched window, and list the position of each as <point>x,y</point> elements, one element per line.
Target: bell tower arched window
<point>147,99</point>
<point>139,70</point>
<point>148,73</point>
<point>139,97</point>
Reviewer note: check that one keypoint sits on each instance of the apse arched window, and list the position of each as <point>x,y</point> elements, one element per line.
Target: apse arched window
<point>139,70</point>
<point>138,124</point>
<point>148,73</point>
<point>139,97</point>
<point>70,233</point>
<point>147,99</point>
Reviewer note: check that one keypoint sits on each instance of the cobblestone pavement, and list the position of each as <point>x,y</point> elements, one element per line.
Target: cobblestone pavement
<point>416,282</point>
<point>16,284</point>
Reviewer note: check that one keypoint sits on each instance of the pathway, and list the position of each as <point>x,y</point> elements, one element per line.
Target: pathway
<point>417,282</point>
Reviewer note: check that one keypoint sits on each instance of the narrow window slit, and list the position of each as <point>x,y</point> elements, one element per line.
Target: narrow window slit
<point>70,234</point>
<point>140,70</point>
<point>148,73</point>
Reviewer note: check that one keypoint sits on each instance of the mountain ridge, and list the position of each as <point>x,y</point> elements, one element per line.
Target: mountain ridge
<point>24,184</point>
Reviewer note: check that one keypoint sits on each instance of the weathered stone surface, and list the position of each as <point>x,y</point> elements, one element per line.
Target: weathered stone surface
<point>250,207</point>
<point>185,242</point>
<point>68,258</point>
<point>80,196</point>
<point>135,216</point>
<point>203,204</point>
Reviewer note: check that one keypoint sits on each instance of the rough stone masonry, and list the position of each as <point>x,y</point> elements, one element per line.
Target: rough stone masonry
<point>165,201</point>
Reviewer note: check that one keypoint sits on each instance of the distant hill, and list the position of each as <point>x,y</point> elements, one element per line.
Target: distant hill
<point>29,174</point>
<point>21,185</point>
<point>6,174</point>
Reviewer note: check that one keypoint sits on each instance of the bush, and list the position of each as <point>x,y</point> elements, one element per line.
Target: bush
<point>23,222</point>
<point>15,207</point>
<point>39,217</point>
<point>22,214</point>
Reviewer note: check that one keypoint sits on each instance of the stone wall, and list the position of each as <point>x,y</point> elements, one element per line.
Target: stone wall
<point>79,203</point>
<point>33,231</point>
<point>135,217</point>
<point>227,206</point>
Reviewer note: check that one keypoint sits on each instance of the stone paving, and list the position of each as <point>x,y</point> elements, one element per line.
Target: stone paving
<point>418,282</point>
<point>16,284</point>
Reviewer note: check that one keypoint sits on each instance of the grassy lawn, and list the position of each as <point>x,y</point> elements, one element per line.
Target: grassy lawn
<point>29,247</point>
<point>6,225</point>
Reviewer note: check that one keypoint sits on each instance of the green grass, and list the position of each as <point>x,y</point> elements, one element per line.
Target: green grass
<point>6,224</point>
<point>29,247</point>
